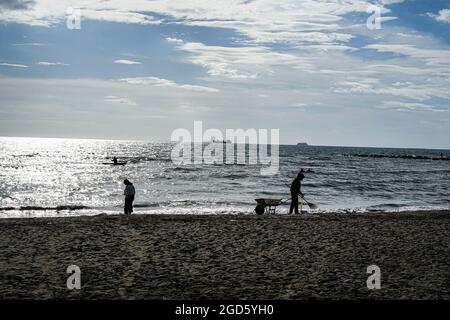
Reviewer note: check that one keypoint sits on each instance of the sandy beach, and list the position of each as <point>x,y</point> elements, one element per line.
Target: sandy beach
<point>224,256</point>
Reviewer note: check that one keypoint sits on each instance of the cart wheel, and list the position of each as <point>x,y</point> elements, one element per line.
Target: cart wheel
<point>259,209</point>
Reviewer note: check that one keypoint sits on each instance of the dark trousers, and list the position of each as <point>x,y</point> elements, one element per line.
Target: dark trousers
<point>128,204</point>
<point>294,204</point>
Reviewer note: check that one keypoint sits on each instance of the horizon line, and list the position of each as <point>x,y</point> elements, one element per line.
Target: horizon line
<point>281,144</point>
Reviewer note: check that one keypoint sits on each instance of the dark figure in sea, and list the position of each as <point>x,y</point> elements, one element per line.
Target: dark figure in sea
<point>115,160</point>
<point>129,196</point>
<point>296,191</point>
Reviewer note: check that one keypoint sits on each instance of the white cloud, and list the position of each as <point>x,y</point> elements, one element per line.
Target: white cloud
<point>442,16</point>
<point>118,15</point>
<point>262,21</point>
<point>72,108</point>
<point>412,35</point>
<point>402,106</point>
<point>124,61</point>
<point>13,65</point>
<point>120,100</point>
<point>397,69</point>
<point>265,21</point>
<point>46,63</point>
<point>47,13</point>
<point>33,44</point>
<point>238,62</point>
<point>386,19</point>
<point>158,82</point>
<point>187,107</point>
<point>299,105</point>
<point>389,2</point>
<point>174,40</point>
<point>330,47</point>
<point>408,90</point>
<point>433,57</point>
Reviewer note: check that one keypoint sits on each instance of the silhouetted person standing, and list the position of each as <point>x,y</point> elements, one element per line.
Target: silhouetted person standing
<point>129,196</point>
<point>295,192</point>
<point>115,160</point>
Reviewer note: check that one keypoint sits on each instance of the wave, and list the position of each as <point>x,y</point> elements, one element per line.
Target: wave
<point>384,207</point>
<point>231,176</point>
<point>27,155</point>
<point>39,208</point>
<point>147,205</point>
<point>143,205</point>
<point>204,207</point>
<point>203,203</point>
<point>148,159</point>
<point>183,169</point>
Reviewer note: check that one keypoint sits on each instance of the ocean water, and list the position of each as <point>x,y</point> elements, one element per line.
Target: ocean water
<point>64,177</point>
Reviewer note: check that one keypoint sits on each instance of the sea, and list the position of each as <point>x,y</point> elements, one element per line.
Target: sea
<point>42,177</point>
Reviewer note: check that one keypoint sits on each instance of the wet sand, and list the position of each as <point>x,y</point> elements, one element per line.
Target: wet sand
<point>227,257</point>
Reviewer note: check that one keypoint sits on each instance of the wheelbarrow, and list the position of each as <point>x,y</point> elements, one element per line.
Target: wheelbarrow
<point>269,205</point>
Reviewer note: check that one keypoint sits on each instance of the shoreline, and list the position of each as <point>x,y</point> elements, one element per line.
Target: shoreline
<point>242,256</point>
<point>65,213</point>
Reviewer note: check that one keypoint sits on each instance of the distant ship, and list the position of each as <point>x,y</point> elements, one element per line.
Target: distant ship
<point>302,144</point>
<point>218,141</point>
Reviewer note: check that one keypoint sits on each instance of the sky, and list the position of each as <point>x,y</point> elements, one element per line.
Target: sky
<point>323,72</point>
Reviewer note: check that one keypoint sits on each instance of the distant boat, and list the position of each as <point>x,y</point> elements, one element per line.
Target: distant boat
<point>223,141</point>
<point>302,144</point>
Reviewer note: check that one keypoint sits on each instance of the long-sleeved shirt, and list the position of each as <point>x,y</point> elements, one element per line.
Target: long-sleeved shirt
<point>129,190</point>
<point>296,186</point>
